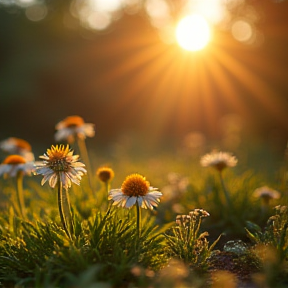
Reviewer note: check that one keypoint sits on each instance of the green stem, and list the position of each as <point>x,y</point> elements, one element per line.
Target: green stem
<point>107,187</point>
<point>103,196</point>
<point>138,223</point>
<point>64,210</point>
<point>84,154</point>
<point>20,195</point>
<point>226,193</point>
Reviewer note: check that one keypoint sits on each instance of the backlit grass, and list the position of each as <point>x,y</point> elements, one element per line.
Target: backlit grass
<point>243,241</point>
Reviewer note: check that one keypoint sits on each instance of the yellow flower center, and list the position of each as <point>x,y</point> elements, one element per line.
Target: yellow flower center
<point>14,160</point>
<point>73,121</point>
<point>135,185</point>
<point>57,158</point>
<point>105,174</point>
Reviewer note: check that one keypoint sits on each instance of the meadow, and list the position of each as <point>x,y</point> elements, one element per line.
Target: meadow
<point>217,218</point>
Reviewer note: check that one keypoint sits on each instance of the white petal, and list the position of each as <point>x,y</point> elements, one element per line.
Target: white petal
<point>78,164</point>
<point>44,170</point>
<point>3,169</point>
<point>155,193</point>
<point>151,200</point>
<point>140,201</point>
<point>81,169</point>
<point>89,129</point>
<point>130,202</point>
<point>45,178</point>
<point>53,180</point>
<point>120,201</point>
<point>114,192</point>
<point>45,157</point>
<point>117,197</point>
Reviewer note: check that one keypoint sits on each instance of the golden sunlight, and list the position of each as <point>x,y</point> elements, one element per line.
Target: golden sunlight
<point>193,32</point>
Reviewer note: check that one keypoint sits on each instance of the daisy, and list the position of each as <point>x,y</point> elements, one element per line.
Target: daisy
<point>73,127</point>
<point>59,164</point>
<point>17,166</point>
<point>266,194</point>
<point>105,174</point>
<point>13,164</point>
<point>135,190</point>
<point>218,160</point>
<point>18,146</point>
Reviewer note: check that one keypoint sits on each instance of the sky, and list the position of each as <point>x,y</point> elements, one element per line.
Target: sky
<point>120,66</point>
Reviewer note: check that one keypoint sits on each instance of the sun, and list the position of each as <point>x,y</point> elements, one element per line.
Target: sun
<point>193,32</point>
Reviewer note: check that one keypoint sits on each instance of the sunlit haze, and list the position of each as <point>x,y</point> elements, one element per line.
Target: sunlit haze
<point>188,63</point>
<point>193,32</point>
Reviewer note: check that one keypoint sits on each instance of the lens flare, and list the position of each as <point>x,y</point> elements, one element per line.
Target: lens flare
<point>193,32</point>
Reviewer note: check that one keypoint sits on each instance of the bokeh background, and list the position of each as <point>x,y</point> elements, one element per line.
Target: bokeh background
<point>116,63</point>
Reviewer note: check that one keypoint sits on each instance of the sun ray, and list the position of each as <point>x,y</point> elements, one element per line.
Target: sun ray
<point>263,95</point>
<point>209,99</point>
<point>172,91</point>
<point>223,82</point>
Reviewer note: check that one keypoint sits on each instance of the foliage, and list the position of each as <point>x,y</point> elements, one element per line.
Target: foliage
<point>39,252</point>
<point>275,233</point>
<point>106,251</point>
<point>271,247</point>
<point>187,243</point>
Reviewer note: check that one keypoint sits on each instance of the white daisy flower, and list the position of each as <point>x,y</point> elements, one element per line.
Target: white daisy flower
<point>266,193</point>
<point>218,160</point>
<point>59,164</point>
<point>134,189</point>
<point>73,127</point>
<point>17,146</point>
<point>13,164</point>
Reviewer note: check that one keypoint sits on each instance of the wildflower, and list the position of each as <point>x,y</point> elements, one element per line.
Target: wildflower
<point>59,164</point>
<point>17,166</point>
<point>13,164</point>
<point>135,189</point>
<point>198,213</point>
<point>218,160</point>
<point>183,220</point>
<point>266,194</point>
<point>105,174</point>
<point>73,127</point>
<point>17,146</point>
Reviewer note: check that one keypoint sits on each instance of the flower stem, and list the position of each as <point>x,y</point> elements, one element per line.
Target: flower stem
<point>64,210</point>
<point>83,152</point>
<point>226,193</point>
<point>103,196</point>
<point>107,187</point>
<point>20,195</point>
<point>138,223</point>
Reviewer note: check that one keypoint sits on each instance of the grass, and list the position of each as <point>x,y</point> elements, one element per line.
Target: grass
<point>106,250</point>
